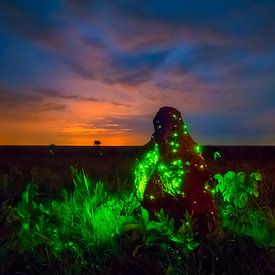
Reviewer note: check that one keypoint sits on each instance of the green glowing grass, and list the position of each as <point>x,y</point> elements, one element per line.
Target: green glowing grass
<point>92,221</point>
<point>240,214</point>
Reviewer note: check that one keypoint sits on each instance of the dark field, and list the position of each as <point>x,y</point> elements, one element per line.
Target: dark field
<point>20,165</point>
<point>221,252</point>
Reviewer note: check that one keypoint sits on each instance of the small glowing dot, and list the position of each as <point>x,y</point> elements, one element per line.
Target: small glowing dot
<point>198,148</point>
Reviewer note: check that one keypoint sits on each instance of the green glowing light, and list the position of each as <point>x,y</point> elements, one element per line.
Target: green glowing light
<point>174,116</point>
<point>237,212</point>
<point>152,197</point>
<point>206,187</point>
<point>145,169</point>
<point>217,155</point>
<point>175,135</point>
<point>171,174</point>
<point>185,129</point>
<point>198,149</point>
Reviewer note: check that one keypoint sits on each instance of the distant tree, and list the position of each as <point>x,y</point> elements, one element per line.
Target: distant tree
<point>97,142</point>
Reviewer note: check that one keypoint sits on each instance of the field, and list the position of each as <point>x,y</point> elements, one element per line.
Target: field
<point>221,253</point>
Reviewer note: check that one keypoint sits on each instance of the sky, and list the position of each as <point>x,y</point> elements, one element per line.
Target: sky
<point>74,71</point>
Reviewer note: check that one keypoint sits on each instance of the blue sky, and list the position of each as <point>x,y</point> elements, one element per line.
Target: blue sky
<point>74,71</point>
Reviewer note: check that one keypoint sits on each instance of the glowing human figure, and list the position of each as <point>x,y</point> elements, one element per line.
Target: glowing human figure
<point>172,173</point>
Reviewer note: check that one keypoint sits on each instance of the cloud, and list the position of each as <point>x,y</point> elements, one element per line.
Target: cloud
<point>27,102</point>
<point>119,58</point>
<point>39,23</point>
<point>61,95</point>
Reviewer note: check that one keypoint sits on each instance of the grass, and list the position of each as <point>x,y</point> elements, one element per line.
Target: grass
<point>91,228</point>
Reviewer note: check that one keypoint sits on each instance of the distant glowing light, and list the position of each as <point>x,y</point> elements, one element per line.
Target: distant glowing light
<point>217,155</point>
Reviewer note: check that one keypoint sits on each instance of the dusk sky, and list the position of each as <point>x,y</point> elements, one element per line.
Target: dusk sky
<point>74,71</point>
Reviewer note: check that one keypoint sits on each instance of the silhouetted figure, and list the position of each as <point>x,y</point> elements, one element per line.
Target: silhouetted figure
<point>173,174</point>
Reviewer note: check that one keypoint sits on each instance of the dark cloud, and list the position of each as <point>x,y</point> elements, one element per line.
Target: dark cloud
<point>61,95</point>
<point>15,100</point>
<point>33,20</point>
<point>141,123</point>
<point>210,57</point>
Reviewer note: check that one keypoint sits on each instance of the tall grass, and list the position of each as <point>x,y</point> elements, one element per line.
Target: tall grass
<point>92,227</point>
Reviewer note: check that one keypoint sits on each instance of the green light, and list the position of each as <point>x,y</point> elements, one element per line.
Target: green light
<point>239,215</point>
<point>170,173</point>
<point>185,129</point>
<point>198,149</point>
<point>142,174</point>
<point>175,135</point>
<point>217,155</point>
<point>152,197</point>
<point>174,116</point>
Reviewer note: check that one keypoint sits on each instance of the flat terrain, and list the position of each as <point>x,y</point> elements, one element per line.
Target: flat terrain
<point>112,165</point>
<point>221,253</point>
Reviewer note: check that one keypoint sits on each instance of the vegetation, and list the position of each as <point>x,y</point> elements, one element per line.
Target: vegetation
<point>93,230</point>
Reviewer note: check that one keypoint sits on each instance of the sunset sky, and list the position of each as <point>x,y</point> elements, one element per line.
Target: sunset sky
<point>73,71</point>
